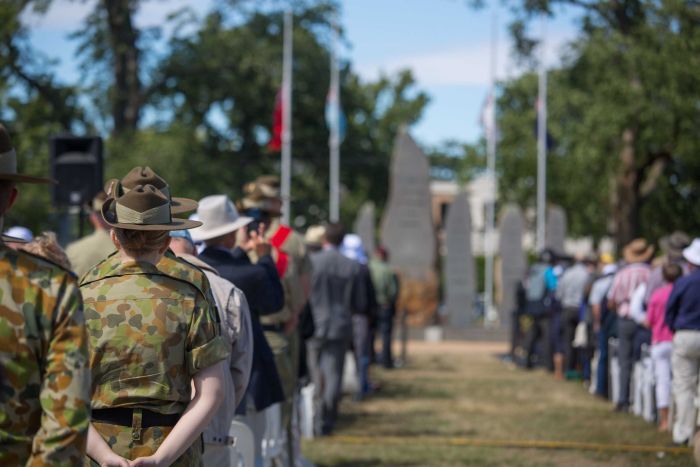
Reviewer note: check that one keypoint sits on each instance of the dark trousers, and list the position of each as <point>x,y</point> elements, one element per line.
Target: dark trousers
<point>539,332</point>
<point>361,345</point>
<point>326,362</point>
<point>601,387</point>
<point>626,331</point>
<point>386,329</point>
<point>569,322</point>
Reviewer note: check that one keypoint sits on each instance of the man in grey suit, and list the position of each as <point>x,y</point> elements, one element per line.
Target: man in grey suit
<point>336,292</point>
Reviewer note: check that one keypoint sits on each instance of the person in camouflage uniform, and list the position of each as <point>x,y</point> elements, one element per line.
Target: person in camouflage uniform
<point>44,379</point>
<point>152,333</point>
<point>263,203</point>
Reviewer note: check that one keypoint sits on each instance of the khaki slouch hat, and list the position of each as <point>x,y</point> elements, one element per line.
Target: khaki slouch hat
<point>141,176</point>
<point>143,208</point>
<point>8,162</point>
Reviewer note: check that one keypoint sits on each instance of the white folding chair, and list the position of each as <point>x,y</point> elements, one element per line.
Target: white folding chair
<point>614,377</point>
<point>350,383</point>
<point>637,388</point>
<point>244,445</point>
<point>648,395</point>
<point>274,441</point>
<point>306,411</point>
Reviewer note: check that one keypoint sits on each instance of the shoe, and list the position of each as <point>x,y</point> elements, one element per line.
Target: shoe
<point>620,407</point>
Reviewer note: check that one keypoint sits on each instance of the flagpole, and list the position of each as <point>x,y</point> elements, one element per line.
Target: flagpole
<point>286,169</point>
<point>542,144</point>
<point>491,315</point>
<point>334,140</point>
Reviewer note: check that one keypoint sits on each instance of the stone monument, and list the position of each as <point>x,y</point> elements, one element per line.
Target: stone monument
<point>512,257</point>
<point>555,229</point>
<point>365,227</point>
<point>408,232</point>
<point>460,280</point>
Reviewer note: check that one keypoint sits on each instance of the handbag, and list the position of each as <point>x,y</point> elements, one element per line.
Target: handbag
<point>580,335</point>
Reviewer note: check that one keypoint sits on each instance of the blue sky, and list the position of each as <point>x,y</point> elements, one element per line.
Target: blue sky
<point>445,43</point>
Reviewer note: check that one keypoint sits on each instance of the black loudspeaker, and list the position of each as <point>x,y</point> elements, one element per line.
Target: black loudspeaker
<point>76,164</point>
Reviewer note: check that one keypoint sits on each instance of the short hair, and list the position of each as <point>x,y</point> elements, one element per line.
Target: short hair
<point>46,245</point>
<point>335,233</point>
<point>139,242</point>
<point>671,272</point>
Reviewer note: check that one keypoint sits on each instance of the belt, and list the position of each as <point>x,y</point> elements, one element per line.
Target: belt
<point>279,327</point>
<point>123,416</point>
<point>222,440</point>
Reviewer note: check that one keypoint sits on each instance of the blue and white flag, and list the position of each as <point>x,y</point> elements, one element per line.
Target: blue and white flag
<point>333,112</point>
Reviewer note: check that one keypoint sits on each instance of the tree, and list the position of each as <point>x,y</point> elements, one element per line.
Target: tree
<point>633,85</point>
<point>223,79</point>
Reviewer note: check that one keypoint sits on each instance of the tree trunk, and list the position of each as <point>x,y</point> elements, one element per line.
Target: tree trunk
<point>626,200</point>
<point>126,99</point>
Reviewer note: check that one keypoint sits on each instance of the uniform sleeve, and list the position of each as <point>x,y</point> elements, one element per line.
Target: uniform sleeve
<point>242,351</point>
<point>65,389</point>
<point>205,345</point>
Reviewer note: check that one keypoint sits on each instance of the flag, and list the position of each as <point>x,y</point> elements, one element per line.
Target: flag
<point>549,142</point>
<point>333,111</point>
<point>275,143</point>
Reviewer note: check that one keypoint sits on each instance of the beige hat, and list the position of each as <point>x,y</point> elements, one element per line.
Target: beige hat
<point>674,244</point>
<point>219,217</point>
<point>314,235</point>
<point>638,251</point>
<point>143,208</point>
<point>263,194</point>
<point>8,162</point>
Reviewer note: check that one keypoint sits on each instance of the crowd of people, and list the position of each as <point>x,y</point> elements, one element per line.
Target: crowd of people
<point>575,316</point>
<point>143,342</point>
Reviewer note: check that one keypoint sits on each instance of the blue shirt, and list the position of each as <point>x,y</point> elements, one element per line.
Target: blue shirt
<point>551,279</point>
<point>683,306</point>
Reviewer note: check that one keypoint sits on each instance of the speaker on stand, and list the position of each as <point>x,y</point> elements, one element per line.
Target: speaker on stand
<point>76,163</point>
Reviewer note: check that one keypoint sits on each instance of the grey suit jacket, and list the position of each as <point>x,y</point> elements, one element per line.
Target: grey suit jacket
<point>337,291</point>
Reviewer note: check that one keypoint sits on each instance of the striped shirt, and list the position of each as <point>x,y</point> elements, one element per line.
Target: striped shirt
<point>624,285</point>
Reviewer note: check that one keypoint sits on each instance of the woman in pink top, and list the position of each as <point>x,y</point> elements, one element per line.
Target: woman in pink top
<point>661,341</point>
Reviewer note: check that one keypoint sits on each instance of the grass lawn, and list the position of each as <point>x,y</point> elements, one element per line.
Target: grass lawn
<point>454,396</point>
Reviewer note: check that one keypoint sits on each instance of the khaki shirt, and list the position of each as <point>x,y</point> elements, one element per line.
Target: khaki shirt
<point>90,250</point>
<point>44,376</point>
<point>150,332</point>
<point>299,265</point>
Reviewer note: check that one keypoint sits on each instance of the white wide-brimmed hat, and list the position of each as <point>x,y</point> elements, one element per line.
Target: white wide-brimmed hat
<point>219,217</point>
<point>692,253</point>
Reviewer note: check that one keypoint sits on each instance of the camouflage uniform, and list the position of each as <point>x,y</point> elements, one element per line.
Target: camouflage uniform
<point>151,329</point>
<point>44,377</point>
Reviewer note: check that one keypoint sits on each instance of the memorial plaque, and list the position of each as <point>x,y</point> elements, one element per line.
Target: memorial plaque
<point>365,227</point>
<point>555,229</point>
<point>459,263</point>
<point>512,257</point>
<point>408,231</point>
